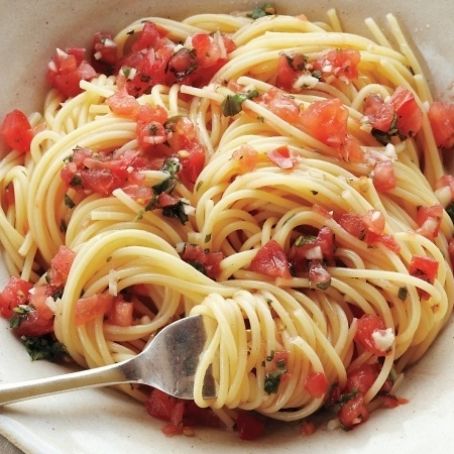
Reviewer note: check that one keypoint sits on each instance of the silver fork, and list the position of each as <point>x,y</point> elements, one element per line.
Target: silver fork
<point>167,363</point>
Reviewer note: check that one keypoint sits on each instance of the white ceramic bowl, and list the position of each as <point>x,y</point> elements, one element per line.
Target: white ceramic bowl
<point>104,421</point>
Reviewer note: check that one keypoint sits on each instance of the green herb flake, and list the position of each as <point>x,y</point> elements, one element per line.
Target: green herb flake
<point>176,211</point>
<point>208,238</point>
<point>20,314</point>
<point>198,186</point>
<point>75,181</point>
<point>43,347</point>
<point>232,104</point>
<point>69,202</point>
<point>266,9</point>
<point>402,293</point>
<point>139,215</point>
<point>304,239</point>
<point>272,381</point>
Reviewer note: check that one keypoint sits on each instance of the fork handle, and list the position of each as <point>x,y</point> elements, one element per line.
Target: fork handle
<point>101,376</point>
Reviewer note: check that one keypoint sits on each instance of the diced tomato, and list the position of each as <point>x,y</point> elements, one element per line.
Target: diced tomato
<point>325,239</point>
<point>390,401</point>
<point>409,115</point>
<point>247,158</point>
<point>60,266</point>
<point>250,426</point>
<point>150,134</point>
<point>451,251</point>
<point>160,405</point>
<point>90,307</point>
<point>166,200</point>
<point>383,176</point>
<point>280,358</point>
<point>424,268</point>
<point>38,321</point>
<point>196,416</point>
<point>429,220</point>
<point>441,116</point>
<point>308,428</point>
<point>353,224</point>
<point>150,69</point>
<point>14,294</point>
<point>282,157</point>
<point>123,104</point>
<point>181,64</point>
<point>17,131</point>
<point>362,377</point>
<point>148,114</point>
<point>319,275</point>
<point>191,166</point>
<point>271,261</point>
<point>372,239</point>
<point>121,313</point>
<point>150,37</point>
<point>366,326</point>
<point>286,73</point>
<point>207,51</point>
<point>375,221</point>
<point>326,121</point>
<point>104,48</point>
<point>316,384</point>
<point>67,69</point>
<point>353,412</point>
<point>379,113</point>
<point>280,104</point>
<point>342,63</point>
<point>351,151</point>
<point>207,262</point>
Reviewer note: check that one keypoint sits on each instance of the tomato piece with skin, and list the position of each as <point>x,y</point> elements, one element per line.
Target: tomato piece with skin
<point>181,65</point>
<point>353,412</point>
<point>383,176</point>
<point>319,275</point>
<point>60,266</point>
<point>271,260</point>
<point>280,104</point>
<point>286,74</point>
<point>316,384</point>
<point>351,150</point>
<point>424,268</point>
<point>123,104</point>
<point>379,113</point>
<point>210,262</point>
<point>191,166</point>
<point>39,321</point>
<point>441,116</point>
<point>247,158</point>
<point>409,115</point>
<point>17,131</point>
<point>151,36</point>
<point>121,313</point>
<point>325,239</point>
<point>15,293</point>
<point>367,325</point>
<point>326,121</point>
<point>67,69</point>
<point>341,63</point>
<point>160,405</point>
<point>249,425</point>
<point>372,239</point>
<point>375,221</point>
<point>361,378</point>
<point>429,220</point>
<point>353,224</point>
<point>104,48</point>
<point>90,307</point>
<point>282,157</point>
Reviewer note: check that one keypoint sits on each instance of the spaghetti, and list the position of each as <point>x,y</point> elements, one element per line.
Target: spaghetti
<point>279,176</point>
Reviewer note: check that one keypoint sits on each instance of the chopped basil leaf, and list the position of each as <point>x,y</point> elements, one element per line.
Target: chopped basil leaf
<point>402,293</point>
<point>176,211</point>
<point>57,294</point>
<point>232,103</point>
<point>198,185</point>
<point>198,266</point>
<point>324,284</point>
<point>166,185</point>
<point>304,239</point>
<point>260,11</point>
<point>20,314</point>
<point>450,211</point>
<point>272,381</point>
<point>43,347</point>
<point>69,202</point>
<point>75,181</point>
<point>126,71</point>
<point>385,137</point>
<point>171,166</point>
